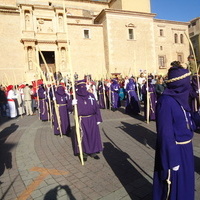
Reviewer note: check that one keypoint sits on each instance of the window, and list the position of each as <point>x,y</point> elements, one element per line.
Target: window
<point>161,61</point>
<point>130,34</point>
<point>181,39</point>
<point>161,32</point>
<point>161,48</point>
<point>175,38</point>
<point>86,33</point>
<point>180,57</point>
<point>194,24</point>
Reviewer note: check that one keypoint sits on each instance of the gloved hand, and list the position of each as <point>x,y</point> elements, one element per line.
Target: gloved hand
<point>54,98</point>
<point>98,123</point>
<point>74,102</point>
<point>176,168</point>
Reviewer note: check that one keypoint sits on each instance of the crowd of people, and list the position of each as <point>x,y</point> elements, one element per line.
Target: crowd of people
<point>172,101</point>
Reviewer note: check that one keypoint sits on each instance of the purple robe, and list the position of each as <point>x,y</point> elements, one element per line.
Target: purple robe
<point>152,101</point>
<point>43,103</point>
<point>132,101</point>
<point>194,94</point>
<point>89,114</point>
<point>115,98</point>
<point>64,106</point>
<point>101,92</point>
<point>172,127</point>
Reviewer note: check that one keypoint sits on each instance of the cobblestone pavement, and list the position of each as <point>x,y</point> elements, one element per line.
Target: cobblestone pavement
<point>36,164</point>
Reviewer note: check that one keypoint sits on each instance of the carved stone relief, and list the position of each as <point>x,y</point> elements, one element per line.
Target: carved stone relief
<point>44,25</point>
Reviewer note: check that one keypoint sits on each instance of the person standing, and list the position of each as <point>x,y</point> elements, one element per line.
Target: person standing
<point>115,99</point>
<point>20,102</point>
<point>90,118</point>
<point>151,97</point>
<point>11,97</point>
<point>61,115</point>
<point>160,86</point>
<point>28,100</point>
<point>101,95</point>
<point>43,103</point>
<point>132,100</point>
<point>3,101</point>
<point>141,81</point>
<point>174,160</point>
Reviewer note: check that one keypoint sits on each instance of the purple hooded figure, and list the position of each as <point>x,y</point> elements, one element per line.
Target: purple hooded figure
<point>132,101</point>
<point>115,98</point>
<point>152,100</point>
<point>194,94</point>
<point>61,114</point>
<point>102,95</point>
<point>43,103</point>
<point>174,159</point>
<point>89,117</point>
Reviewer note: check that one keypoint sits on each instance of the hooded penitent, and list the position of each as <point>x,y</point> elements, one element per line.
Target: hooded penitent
<point>178,84</point>
<point>81,88</point>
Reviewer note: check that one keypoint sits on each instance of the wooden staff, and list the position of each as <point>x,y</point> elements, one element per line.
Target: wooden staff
<point>195,61</point>
<point>136,81</point>
<point>57,113</point>
<point>78,134</point>
<point>54,100</point>
<point>104,95</point>
<point>110,96</point>
<point>43,78</point>
<point>48,97</point>
<point>147,87</point>
<point>36,85</point>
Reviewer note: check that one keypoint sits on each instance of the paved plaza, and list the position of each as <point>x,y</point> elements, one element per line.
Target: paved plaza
<point>36,164</point>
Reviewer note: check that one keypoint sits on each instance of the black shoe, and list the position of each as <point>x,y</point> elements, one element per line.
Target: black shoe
<point>85,157</point>
<point>95,156</point>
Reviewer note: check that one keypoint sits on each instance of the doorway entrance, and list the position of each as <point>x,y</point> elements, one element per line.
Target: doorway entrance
<point>49,57</point>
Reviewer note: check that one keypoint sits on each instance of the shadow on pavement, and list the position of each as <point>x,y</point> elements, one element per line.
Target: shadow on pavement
<point>4,120</point>
<point>5,155</point>
<point>59,191</point>
<point>128,172</point>
<point>139,116</point>
<point>140,133</point>
<point>197,164</point>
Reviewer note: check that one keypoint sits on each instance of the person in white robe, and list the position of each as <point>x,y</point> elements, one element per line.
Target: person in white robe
<point>11,96</point>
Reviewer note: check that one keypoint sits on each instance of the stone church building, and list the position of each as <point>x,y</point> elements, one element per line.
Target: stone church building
<point>97,37</point>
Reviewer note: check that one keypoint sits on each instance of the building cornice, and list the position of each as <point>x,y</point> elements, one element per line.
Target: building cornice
<point>178,29</point>
<point>9,9</point>
<point>90,1</point>
<point>78,17</point>
<point>47,41</point>
<point>123,12</point>
<point>59,3</point>
<point>76,24</point>
<point>27,40</point>
<point>171,22</point>
<point>24,40</point>
<point>195,19</point>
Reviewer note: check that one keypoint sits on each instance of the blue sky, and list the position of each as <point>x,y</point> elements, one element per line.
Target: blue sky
<point>176,10</point>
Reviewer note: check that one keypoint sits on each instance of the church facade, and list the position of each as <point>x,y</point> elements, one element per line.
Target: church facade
<point>99,38</point>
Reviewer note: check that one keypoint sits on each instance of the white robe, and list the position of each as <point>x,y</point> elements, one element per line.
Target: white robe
<point>20,102</point>
<point>11,104</point>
